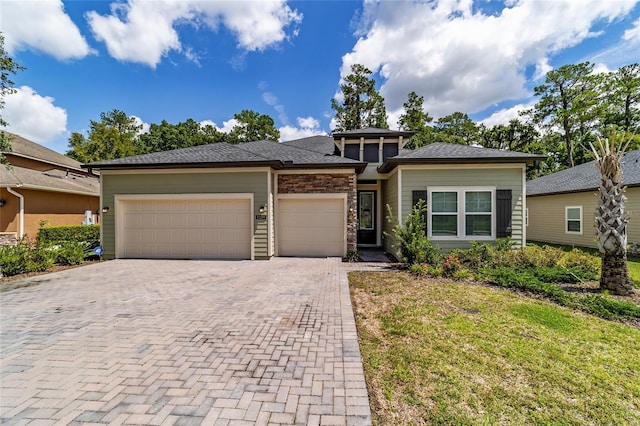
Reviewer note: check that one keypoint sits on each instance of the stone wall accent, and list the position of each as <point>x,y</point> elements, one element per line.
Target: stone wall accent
<point>8,238</point>
<point>327,183</point>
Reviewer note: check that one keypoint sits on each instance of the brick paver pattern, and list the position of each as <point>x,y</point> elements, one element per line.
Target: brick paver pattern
<point>183,342</point>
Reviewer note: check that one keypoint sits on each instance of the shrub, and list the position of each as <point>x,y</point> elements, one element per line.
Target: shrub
<point>450,266</point>
<point>25,257</point>
<point>579,259</point>
<point>419,269</point>
<point>609,308</point>
<point>412,242</point>
<point>70,253</point>
<point>78,233</point>
<point>559,274</point>
<point>525,280</point>
<point>462,274</point>
<point>14,259</point>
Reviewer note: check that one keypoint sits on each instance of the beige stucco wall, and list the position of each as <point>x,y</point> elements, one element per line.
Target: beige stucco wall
<point>547,218</point>
<point>215,181</point>
<point>56,208</point>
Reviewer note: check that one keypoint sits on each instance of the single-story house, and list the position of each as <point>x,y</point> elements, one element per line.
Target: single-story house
<point>39,184</point>
<point>562,205</point>
<point>317,196</point>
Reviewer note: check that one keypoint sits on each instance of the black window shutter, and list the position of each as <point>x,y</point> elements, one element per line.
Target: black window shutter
<point>417,196</point>
<point>503,213</point>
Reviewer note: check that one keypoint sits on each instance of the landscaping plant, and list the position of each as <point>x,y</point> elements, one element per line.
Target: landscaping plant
<point>412,242</point>
<point>611,217</point>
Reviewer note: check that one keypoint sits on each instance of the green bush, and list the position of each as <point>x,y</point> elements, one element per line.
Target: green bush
<point>606,307</point>
<point>525,280</point>
<point>419,269</point>
<point>25,257</point>
<point>412,242</point>
<point>559,274</point>
<point>78,233</point>
<point>70,252</point>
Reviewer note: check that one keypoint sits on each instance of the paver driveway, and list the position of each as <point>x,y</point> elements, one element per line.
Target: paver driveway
<point>183,342</point>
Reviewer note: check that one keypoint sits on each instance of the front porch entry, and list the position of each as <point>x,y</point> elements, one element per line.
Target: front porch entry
<point>367,218</point>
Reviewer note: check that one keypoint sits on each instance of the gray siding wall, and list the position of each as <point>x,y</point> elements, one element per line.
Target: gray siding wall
<point>390,198</point>
<point>547,218</point>
<point>184,183</point>
<point>499,177</point>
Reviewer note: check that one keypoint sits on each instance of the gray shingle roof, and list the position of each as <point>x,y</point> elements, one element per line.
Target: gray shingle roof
<point>320,143</point>
<point>50,180</point>
<point>584,177</point>
<point>25,148</point>
<point>453,153</point>
<point>257,153</point>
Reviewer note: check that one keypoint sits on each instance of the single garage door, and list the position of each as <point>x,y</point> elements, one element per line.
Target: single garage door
<point>313,227</point>
<point>185,229</point>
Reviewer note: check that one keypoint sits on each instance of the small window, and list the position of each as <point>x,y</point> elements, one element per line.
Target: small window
<point>371,153</point>
<point>352,150</point>
<point>573,216</point>
<point>526,216</point>
<point>478,213</point>
<point>444,214</point>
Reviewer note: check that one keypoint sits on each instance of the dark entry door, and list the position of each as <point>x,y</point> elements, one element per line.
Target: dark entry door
<point>367,217</point>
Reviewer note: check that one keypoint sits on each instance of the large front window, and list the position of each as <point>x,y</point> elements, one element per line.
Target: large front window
<point>461,213</point>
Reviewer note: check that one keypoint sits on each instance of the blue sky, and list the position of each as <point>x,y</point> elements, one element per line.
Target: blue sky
<point>207,60</point>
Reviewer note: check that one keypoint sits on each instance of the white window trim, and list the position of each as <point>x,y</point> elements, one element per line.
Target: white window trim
<point>461,190</point>
<point>566,220</point>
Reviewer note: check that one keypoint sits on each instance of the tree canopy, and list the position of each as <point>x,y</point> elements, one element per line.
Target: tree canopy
<point>8,66</point>
<point>362,105</point>
<point>119,135</point>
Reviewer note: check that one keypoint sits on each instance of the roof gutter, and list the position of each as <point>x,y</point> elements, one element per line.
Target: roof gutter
<point>392,163</point>
<point>21,215</point>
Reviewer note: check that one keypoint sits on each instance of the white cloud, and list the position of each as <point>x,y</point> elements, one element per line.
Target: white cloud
<point>144,31</point>
<point>633,34</point>
<point>505,115</point>
<point>307,126</point>
<point>33,116</point>
<point>139,122</point>
<point>461,59</point>
<point>43,26</point>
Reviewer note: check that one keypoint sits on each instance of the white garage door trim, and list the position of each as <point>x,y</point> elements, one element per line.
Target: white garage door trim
<point>334,196</point>
<point>121,199</point>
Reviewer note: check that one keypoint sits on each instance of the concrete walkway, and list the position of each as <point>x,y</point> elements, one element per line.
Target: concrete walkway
<point>183,342</point>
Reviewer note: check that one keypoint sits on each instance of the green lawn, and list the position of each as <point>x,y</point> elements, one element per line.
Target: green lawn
<point>438,352</point>
<point>634,271</point>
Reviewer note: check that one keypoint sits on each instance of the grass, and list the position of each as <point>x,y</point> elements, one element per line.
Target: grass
<point>634,271</point>
<point>438,352</point>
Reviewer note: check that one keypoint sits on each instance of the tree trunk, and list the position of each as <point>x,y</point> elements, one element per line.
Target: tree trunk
<point>615,274</point>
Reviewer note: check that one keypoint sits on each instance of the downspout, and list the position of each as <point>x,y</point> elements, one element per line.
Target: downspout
<point>21,197</point>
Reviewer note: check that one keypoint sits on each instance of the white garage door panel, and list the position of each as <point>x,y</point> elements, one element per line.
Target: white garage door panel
<point>311,227</point>
<point>187,229</point>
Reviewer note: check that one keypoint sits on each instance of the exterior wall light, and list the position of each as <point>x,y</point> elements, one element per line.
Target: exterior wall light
<point>262,209</point>
<point>105,209</point>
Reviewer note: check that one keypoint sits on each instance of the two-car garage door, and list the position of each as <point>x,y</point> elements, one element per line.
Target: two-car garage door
<point>184,228</point>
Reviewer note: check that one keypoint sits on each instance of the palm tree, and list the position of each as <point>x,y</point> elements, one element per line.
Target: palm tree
<point>611,218</point>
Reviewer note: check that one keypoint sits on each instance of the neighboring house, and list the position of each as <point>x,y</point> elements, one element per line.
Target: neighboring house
<point>562,205</point>
<point>318,196</point>
<point>42,185</point>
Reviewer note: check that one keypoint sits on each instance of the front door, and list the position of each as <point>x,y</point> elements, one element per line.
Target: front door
<point>367,218</point>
